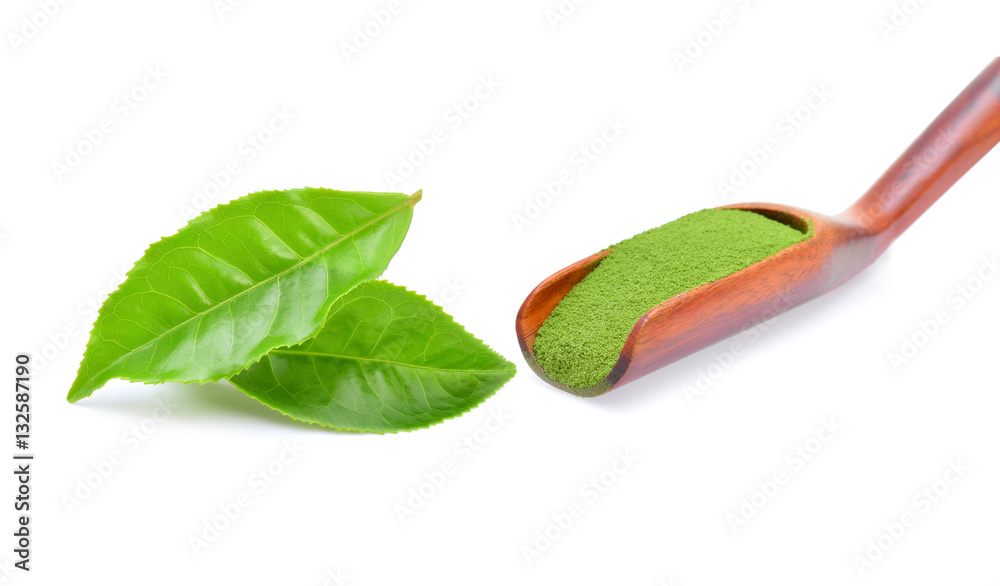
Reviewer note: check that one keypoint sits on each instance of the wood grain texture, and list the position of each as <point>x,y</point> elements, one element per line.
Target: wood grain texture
<point>841,247</point>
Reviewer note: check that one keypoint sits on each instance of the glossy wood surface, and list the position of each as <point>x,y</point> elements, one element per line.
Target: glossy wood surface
<point>841,247</point>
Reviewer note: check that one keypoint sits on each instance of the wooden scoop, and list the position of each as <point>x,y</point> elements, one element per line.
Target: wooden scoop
<point>842,246</point>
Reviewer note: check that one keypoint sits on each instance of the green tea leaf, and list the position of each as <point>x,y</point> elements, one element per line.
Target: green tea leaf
<point>386,360</point>
<point>252,275</point>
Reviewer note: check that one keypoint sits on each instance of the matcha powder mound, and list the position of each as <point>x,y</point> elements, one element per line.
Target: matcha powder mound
<point>580,341</point>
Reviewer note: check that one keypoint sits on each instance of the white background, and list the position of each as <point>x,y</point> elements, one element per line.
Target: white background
<point>666,519</point>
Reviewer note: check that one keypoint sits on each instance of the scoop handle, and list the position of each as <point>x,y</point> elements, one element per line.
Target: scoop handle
<point>961,135</point>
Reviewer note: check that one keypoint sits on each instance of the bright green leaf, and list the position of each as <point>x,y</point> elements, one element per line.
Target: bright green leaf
<point>252,275</point>
<point>386,360</point>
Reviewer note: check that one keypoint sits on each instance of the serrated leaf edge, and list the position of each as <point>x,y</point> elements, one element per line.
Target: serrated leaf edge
<point>510,367</point>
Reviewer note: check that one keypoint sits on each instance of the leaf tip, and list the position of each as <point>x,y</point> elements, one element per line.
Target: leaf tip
<point>76,393</point>
<point>81,389</point>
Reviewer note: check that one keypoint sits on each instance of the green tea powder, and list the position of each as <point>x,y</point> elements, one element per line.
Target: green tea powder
<point>581,340</point>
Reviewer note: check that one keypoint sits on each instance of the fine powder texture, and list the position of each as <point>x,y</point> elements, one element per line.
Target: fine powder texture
<point>581,340</point>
